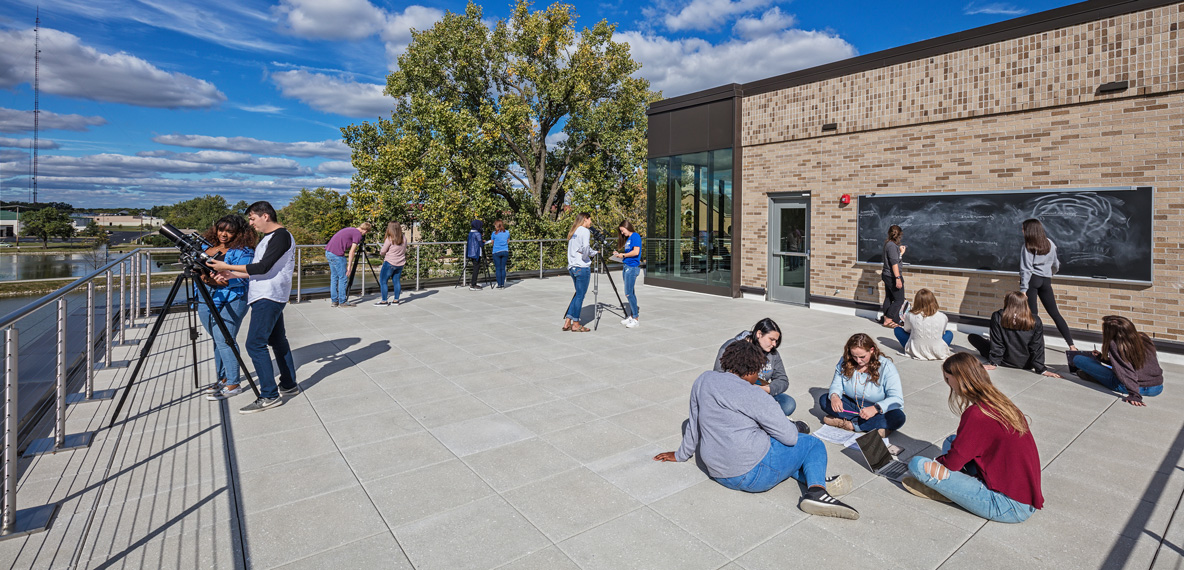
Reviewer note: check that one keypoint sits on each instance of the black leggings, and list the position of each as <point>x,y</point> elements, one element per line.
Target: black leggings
<point>893,297</point>
<point>1042,287</point>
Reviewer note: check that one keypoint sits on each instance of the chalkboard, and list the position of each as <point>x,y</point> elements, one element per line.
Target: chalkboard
<point>1099,232</point>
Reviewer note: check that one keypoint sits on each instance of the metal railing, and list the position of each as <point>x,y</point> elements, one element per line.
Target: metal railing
<point>84,327</point>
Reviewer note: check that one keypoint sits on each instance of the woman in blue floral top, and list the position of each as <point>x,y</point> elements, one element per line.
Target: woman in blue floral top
<point>234,243</point>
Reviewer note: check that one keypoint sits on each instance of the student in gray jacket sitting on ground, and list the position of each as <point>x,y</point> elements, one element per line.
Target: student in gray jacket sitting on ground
<point>747,444</point>
<point>766,335</point>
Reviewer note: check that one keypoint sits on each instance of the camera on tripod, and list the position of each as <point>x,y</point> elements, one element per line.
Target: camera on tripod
<point>193,247</point>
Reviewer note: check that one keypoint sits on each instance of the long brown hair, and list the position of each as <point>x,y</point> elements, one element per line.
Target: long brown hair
<point>925,303</point>
<point>895,233</point>
<point>620,236</point>
<point>394,232</point>
<point>579,220</point>
<point>1016,314</point>
<point>1034,239</point>
<point>244,234</point>
<point>970,384</point>
<point>865,342</point>
<point>499,226</point>
<point>1130,345</point>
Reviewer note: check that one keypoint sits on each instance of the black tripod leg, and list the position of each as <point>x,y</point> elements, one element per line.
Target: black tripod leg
<point>209,301</point>
<point>164,311</point>
<point>353,270</point>
<point>604,264</point>
<point>193,334</point>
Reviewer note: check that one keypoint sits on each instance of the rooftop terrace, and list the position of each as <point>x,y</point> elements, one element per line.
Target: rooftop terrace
<point>464,430</point>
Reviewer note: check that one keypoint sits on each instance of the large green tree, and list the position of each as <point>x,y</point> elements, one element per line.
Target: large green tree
<point>197,213</point>
<point>521,118</point>
<point>46,223</point>
<point>313,216</point>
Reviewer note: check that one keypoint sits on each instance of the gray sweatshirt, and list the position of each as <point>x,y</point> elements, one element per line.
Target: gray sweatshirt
<point>772,374</point>
<point>1031,264</point>
<point>730,425</point>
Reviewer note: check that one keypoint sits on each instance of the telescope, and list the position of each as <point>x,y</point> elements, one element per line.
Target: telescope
<point>193,247</point>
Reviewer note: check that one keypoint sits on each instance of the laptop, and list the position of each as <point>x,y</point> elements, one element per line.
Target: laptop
<point>879,459</point>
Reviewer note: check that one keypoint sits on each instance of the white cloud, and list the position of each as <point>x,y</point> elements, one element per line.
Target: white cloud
<point>327,148</point>
<point>554,139</point>
<point>27,143</point>
<point>397,32</point>
<point>331,19</point>
<point>336,167</point>
<point>994,8</point>
<point>709,15</point>
<point>266,109</point>
<point>335,94</point>
<point>72,69</point>
<point>14,121</point>
<point>770,22</point>
<point>680,66</point>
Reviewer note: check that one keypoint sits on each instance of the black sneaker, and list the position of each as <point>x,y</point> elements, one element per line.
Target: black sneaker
<point>261,404</point>
<point>802,427</point>
<point>290,391</point>
<point>818,502</point>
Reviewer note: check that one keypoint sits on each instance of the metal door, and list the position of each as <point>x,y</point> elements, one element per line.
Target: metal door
<point>789,250</point>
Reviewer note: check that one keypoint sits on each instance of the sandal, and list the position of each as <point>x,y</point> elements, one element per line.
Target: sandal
<point>567,326</point>
<point>577,327</point>
<point>839,423</point>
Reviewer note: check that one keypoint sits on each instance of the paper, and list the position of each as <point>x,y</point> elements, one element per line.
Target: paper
<point>833,434</point>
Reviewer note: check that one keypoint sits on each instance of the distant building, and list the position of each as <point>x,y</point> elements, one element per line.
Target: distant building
<point>10,224</point>
<point>108,220</point>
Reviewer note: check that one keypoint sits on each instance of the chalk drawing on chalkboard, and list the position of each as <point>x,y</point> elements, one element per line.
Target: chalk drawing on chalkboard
<point>1089,226</point>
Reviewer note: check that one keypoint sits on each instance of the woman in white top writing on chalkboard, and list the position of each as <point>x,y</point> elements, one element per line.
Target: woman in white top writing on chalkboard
<point>1038,263</point>
<point>893,278</point>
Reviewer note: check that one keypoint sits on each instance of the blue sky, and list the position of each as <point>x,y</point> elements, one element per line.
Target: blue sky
<point>147,102</point>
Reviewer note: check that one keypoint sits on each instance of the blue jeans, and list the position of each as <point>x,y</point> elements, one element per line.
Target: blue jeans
<point>225,364</point>
<point>1104,375</point>
<point>629,275</point>
<point>338,277</point>
<point>267,329</point>
<point>388,272</point>
<point>787,403</point>
<point>580,276</point>
<point>499,266</point>
<point>890,420</point>
<point>903,337</point>
<point>971,493</point>
<point>805,462</point>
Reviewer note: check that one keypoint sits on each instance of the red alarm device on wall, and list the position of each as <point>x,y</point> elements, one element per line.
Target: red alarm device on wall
<point>845,199</point>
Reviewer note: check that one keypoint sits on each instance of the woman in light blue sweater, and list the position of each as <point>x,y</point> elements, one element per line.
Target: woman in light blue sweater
<point>865,393</point>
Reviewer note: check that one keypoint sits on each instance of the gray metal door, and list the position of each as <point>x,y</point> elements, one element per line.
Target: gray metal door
<point>789,250</point>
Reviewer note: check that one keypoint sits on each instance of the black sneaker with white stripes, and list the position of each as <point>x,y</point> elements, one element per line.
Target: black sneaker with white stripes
<point>817,501</point>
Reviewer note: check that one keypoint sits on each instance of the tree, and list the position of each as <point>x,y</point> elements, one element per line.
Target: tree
<point>198,213</point>
<point>46,223</point>
<point>523,118</point>
<point>314,216</point>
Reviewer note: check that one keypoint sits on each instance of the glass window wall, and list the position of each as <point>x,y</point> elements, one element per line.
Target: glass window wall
<point>690,218</point>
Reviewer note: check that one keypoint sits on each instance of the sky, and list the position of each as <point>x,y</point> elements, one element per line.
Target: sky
<point>150,102</point>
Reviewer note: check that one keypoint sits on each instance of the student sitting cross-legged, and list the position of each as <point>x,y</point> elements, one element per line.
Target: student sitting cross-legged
<point>990,467</point>
<point>747,443</point>
<point>1017,337</point>
<point>1127,363</point>
<point>923,333</point>
<point>865,393</point>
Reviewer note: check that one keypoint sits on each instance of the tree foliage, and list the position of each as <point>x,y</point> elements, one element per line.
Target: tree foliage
<point>313,216</point>
<point>46,223</point>
<point>197,213</point>
<point>516,121</point>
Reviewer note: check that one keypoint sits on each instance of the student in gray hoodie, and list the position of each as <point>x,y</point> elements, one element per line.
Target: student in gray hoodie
<point>747,444</point>
<point>1038,263</point>
<point>766,335</point>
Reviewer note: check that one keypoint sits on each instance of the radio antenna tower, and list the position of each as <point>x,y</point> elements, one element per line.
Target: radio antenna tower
<point>36,97</point>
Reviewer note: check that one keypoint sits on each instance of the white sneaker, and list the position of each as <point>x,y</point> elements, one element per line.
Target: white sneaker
<point>625,321</point>
<point>632,322</point>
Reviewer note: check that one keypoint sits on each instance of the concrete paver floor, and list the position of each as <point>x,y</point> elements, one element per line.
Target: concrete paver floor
<point>465,430</point>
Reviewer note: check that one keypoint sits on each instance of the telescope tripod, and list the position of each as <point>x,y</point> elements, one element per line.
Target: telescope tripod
<point>602,307</point>
<point>187,276</point>
<point>353,270</point>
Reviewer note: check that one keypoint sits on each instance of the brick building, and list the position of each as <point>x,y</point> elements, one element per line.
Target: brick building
<point>1086,96</point>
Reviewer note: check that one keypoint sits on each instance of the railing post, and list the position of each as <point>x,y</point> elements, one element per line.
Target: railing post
<point>108,332</point>
<point>464,262</point>
<point>417,267</point>
<point>148,286</point>
<point>299,271</point>
<point>16,523</point>
<point>122,298</point>
<point>135,286</point>
<point>89,395</point>
<point>60,441</point>
<point>540,259</point>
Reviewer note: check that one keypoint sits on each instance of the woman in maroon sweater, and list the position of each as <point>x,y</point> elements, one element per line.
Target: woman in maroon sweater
<point>990,467</point>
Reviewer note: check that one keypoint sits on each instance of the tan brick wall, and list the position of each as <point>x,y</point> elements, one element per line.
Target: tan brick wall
<point>1125,142</point>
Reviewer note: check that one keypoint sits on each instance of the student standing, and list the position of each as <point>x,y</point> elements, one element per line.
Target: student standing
<point>629,243</point>
<point>1017,337</point>
<point>1038,263</point>
<point>923,333</point>
<point>500,239</point>
<point>747,444</point>
<point>235,245</point>
<point>865,393</point>
<point>270,287</point>
<point>473,252</point>
<point>341,264</point>
<point>579,266</point>
<point>394,257</point>
<point>893,278</point>
<point>990,467</point>
<point>1127,364</point>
